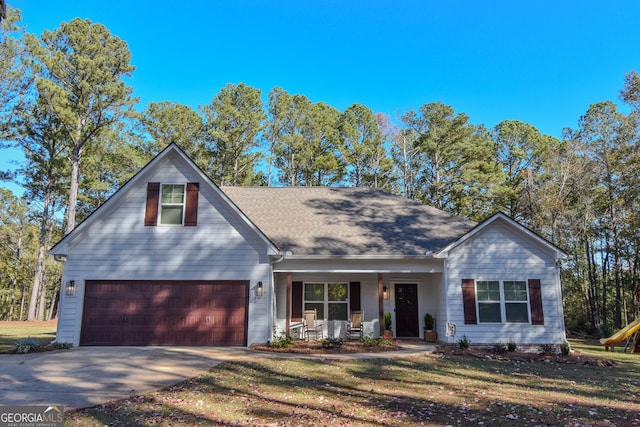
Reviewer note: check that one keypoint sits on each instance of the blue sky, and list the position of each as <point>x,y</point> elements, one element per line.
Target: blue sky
<point>541,62</point>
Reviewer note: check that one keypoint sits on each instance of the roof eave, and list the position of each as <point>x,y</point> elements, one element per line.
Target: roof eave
<point>559,254</point>
<point>426,255</point>
<point>61,248</point>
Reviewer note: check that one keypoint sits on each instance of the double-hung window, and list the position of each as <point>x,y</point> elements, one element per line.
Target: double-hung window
<point>502,301</point>
<point>516,307</point>
<point>172,200</point>
<point>330,300</point>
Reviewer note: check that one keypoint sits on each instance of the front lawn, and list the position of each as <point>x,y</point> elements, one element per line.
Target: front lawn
<point>435,389</point>
<point>10,332</point>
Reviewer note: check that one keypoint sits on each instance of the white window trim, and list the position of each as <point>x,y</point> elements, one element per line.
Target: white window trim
<point>325,300</point>
<point>183,204</point>
<point>503,302</point>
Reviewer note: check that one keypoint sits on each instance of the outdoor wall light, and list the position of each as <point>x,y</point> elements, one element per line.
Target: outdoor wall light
<point>385,293</point>
<point>70,288</point>
<point>259,290</point>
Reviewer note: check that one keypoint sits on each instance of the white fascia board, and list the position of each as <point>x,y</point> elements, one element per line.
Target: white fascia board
<point>559,253</point>
<point>343,271</point>
<point>62,247</point>
<point>356,257</point>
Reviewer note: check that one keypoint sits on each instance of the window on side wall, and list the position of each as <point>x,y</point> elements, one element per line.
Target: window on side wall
<point>172,198</point>
<point>502,301</point>
<point>516,307</point>
<point>330,300</point>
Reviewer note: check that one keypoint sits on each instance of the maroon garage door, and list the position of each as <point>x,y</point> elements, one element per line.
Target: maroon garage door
<point>165,312</point>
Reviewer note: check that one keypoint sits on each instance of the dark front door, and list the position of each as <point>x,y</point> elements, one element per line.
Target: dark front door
<point>407,310</point>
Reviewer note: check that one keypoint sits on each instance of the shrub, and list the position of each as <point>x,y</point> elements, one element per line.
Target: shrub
<point>387,321</point>
<point>280,341</point>
<point>387,342</point>
<point>26,345</point>
<point>376,342</point>
<point>369,341</point>
<point>547,349</point>
<point>61,345</point>
<point>565,348</point>
<point>511,346</point>
<point>464,342</point>
<point>331,342</point>
<point>428,321</point>
<point>499,348</point>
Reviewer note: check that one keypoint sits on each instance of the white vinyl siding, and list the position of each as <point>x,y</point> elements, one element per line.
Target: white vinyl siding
<point>117,246</point>
<point>497,252</point>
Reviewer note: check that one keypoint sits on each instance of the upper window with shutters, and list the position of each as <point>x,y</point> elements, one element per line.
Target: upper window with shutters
<point>171,204</point>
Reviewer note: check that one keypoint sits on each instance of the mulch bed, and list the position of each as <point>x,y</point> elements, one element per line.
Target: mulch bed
<point>316,347</point>
<point>574,357</point>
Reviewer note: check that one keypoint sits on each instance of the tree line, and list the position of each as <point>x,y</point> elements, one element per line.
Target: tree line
<point>64,103</point>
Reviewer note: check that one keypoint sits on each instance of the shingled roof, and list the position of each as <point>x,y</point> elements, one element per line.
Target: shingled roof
<point>346,221</point>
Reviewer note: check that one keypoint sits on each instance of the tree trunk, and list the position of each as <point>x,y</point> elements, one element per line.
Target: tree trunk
<point>43,295</point>
<point>618,284</point>
<point>53,308</point>
<point>38,282</point>
<point>73,189</point>
<point>292,174</point>
<point>16,269</point>
<point>605,268</point>
<point>592,294</point>
<point>235,172</point>
<point>24,292</point>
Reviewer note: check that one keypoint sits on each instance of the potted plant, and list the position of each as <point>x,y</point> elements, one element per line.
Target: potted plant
<point>429,332</point>
<point>387,326</point>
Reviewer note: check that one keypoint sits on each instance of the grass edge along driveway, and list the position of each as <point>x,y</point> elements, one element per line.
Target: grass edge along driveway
<point>426,390</point>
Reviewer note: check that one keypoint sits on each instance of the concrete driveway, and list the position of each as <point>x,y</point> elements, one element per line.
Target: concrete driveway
<point>87,376</point>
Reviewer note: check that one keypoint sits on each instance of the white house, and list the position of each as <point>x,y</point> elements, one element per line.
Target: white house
<point>173,259</point>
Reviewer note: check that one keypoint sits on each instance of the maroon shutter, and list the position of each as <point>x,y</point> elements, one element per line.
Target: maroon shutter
<point>535,301</point>
<point>469,301</point>
<point>354,296</point>
<point>191,205</point>
<point>153,196</point>
<point>296,301</point>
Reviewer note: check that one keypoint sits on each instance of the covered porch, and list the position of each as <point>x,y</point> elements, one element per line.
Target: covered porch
<point>406,290</point>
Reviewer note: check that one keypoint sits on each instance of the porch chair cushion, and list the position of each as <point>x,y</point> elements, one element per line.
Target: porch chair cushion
<point>356,326</point>
<point>311,324</point>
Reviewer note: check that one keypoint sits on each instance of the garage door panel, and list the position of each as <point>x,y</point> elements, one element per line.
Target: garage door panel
<point>165,313</point>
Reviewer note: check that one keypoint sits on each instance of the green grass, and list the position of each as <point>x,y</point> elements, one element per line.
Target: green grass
<point>427,390</point>
<point>592,347</point>
<point>10,332</point>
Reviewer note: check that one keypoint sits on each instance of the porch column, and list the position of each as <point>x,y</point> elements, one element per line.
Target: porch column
<point>380,304</point>
<point>288,309</point>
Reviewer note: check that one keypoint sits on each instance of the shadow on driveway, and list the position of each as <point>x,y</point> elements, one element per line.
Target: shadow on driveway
<point>88,376</point>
